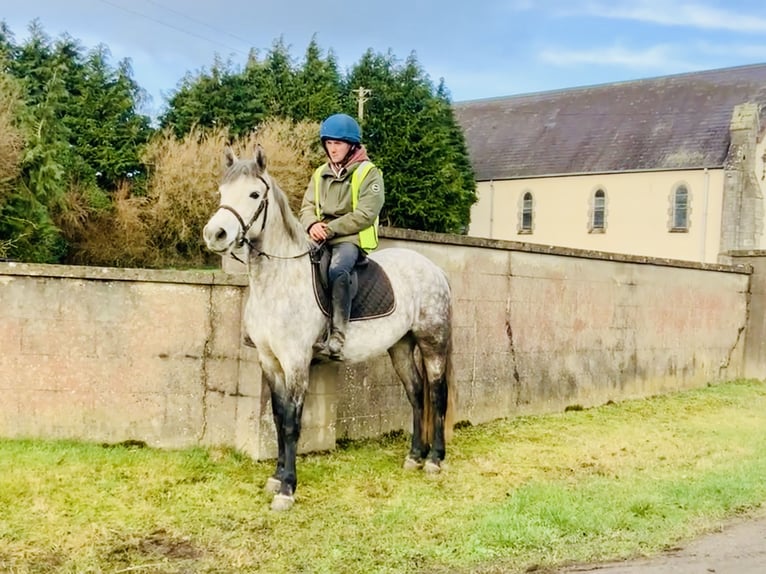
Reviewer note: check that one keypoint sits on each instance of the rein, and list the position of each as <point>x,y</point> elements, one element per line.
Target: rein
<point>245,228</point>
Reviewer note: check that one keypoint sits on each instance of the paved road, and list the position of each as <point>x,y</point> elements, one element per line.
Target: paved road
<point>739,548</point>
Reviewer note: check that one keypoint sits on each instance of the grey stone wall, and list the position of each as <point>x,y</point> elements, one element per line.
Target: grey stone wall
<point>113,354</point>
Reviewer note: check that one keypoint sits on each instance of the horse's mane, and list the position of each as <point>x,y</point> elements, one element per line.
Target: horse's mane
<point>250,168</point>
<point>292,224</point>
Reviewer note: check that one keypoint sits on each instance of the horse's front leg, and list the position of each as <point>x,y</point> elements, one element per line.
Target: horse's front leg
<point>274,482</point>
<point>270,372</point>
<point>287,404</point>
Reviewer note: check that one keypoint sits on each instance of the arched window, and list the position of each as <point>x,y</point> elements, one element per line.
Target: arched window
<point>598,212</point>
<point>599,205</point>
<point>527,213</point>
<point>680,209</point>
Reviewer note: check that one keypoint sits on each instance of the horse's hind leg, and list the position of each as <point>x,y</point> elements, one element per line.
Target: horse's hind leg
<point>403,359</point>
<point>436,362</point>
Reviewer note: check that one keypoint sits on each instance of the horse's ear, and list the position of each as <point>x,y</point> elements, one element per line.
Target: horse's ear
<point>260,158</point>
<point>229,156</point>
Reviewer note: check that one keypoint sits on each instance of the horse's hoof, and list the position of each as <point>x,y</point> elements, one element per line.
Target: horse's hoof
<point>282,502</point>
<point>412,464</point>
<point>432,467</point>
<point>273,485</point>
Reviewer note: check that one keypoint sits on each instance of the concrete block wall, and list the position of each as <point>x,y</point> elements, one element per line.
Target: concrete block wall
<point>115,354</point>
<point>537,329</point>
<point>755,334</point>
<point>111,354</point>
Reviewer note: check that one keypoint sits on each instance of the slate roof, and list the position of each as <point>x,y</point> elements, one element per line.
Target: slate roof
<point>669,122</point>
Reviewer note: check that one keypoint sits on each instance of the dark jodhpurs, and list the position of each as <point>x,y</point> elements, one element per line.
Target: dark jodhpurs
<point>344,257</point>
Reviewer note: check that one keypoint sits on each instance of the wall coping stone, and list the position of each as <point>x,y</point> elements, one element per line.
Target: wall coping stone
<point>505,245</point>
<point>746,253</point>
<point>201,277</point>
<point>218,277</point>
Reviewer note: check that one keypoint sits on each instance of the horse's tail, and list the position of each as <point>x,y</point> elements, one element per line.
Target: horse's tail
<point>449,379</point>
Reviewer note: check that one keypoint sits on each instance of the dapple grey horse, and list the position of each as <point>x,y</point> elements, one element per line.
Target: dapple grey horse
<point>284,320</point>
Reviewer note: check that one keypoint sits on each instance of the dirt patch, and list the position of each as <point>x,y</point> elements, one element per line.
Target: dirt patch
<point>158,545</point>
<point>39,563</point>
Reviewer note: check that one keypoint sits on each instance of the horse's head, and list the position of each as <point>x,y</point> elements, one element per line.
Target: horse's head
<point>242,211</point>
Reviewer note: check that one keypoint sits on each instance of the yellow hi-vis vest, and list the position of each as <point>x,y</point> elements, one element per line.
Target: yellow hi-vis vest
<point>368,238</point>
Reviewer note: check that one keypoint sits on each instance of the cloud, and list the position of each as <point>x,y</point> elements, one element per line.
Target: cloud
<point>475,83</point>
<point>681,14</point>
<point>659,57</point>
<point>522,5</point>
<point>750,52</point>
<point>656,59</point>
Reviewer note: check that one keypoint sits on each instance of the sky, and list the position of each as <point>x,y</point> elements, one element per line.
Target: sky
<point>480,48</point>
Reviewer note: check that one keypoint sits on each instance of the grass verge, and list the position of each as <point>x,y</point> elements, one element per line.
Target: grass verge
<point>528,492</point>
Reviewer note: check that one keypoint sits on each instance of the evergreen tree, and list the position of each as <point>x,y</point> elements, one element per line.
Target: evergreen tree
<point>317,86</point>
<point>7,47</point>
<point>268,88</point>
<point>82,133</point>
<point>105,128</point>
<point>218,98</point>
<point>12,146</point>
<point>279,86</point>
<point>412,135</point>
<point>26,222</point>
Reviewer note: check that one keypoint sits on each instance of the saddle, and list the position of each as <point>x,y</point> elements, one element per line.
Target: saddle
<point>373,295</point>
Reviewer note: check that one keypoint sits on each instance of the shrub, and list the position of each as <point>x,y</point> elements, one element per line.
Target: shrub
<point>164,227</point>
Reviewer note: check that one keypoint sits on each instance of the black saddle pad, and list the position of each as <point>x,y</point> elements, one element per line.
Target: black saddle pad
<point>374,294</point>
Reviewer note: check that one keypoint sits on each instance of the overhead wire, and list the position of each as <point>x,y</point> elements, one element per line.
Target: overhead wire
<point>173,26</point>
<point>196,21</point>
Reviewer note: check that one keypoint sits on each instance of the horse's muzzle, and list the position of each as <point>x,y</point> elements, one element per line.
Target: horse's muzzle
<point>217,239</point>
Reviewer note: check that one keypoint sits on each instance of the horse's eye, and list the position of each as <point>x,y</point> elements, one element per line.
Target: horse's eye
<point>254,194</point>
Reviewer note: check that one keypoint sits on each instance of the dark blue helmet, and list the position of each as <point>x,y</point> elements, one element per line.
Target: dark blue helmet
<point>341,127</point>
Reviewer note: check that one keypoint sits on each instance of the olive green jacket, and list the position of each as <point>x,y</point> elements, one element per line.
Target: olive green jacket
<point>343,222</point>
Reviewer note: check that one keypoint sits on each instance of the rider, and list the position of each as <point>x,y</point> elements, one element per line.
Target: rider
<point>347,221</point>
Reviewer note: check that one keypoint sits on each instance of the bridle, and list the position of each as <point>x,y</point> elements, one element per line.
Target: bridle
<point>242,238</point>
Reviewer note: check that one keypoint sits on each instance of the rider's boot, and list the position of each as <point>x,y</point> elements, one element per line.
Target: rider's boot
<point>341,312</point>
<point>320,347</point>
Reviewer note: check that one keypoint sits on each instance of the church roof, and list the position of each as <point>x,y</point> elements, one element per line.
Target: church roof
<point>671,122</point>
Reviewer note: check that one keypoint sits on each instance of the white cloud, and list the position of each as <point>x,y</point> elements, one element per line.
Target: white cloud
<point>682,14</point>
<point>660,57</point>
<point>523,5</point>
<point>465,84</point>
<point>750,52</point>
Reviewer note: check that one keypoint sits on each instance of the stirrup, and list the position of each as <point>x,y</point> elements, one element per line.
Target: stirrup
<point>320,349</point>
<point>335,346</point>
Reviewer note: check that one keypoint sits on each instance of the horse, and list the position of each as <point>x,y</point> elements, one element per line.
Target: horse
<point>283,319</point>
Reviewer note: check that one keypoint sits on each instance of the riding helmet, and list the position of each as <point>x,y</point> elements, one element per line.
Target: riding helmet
<point>341,127</point>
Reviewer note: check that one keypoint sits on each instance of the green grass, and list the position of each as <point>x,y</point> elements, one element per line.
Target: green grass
<point>536,491</point>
